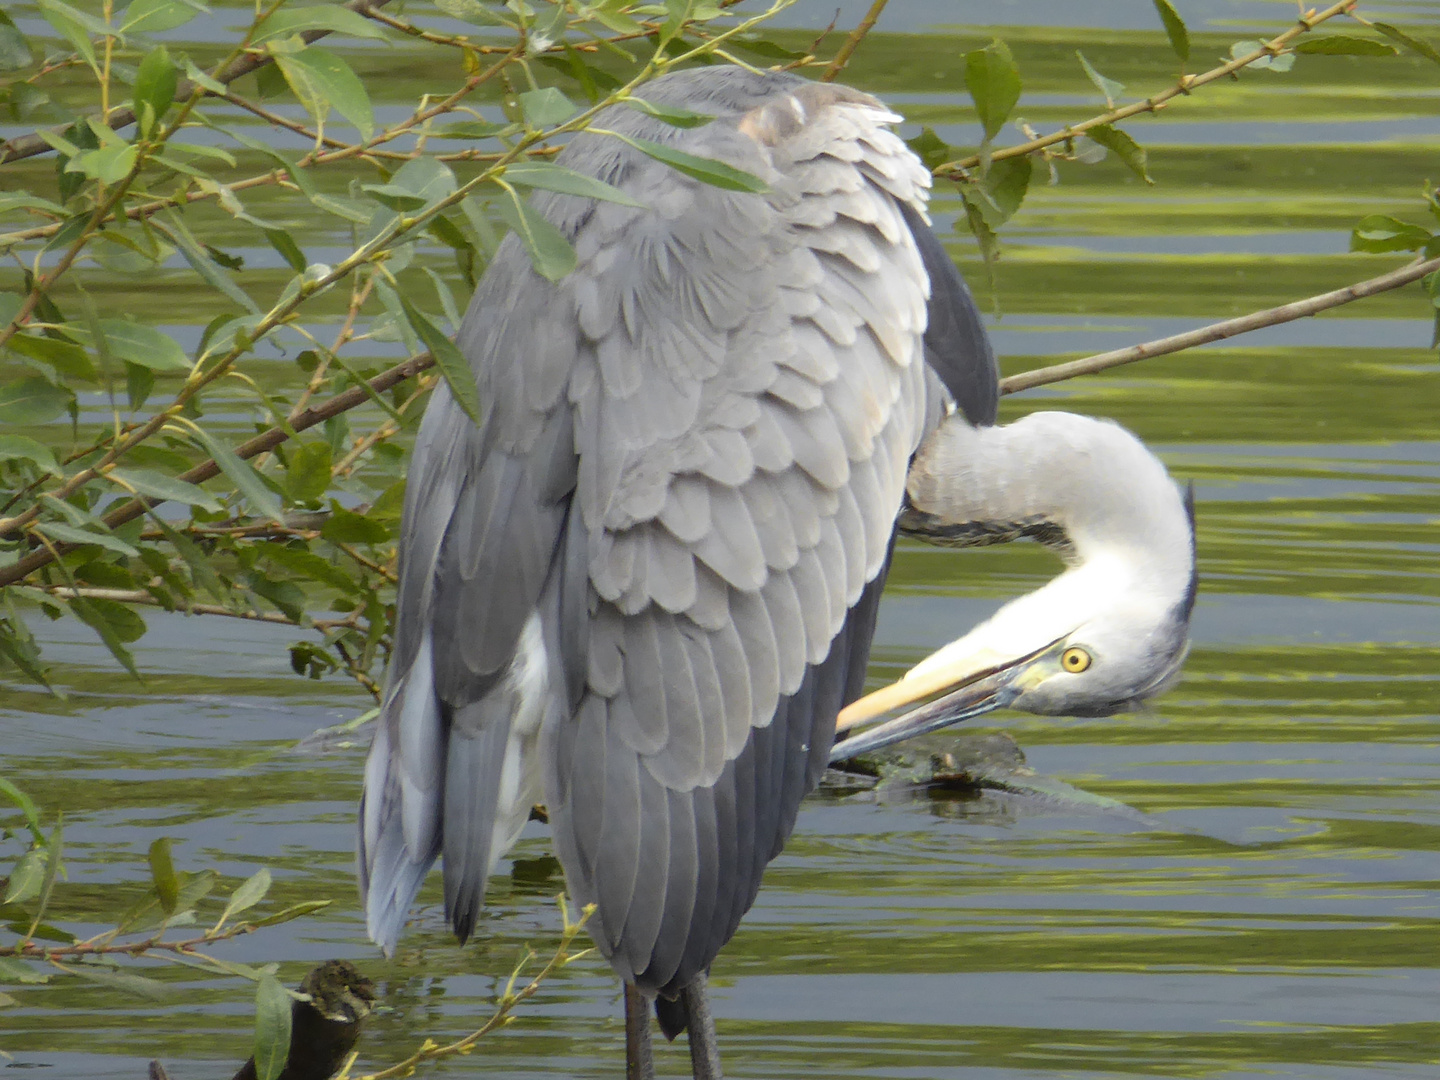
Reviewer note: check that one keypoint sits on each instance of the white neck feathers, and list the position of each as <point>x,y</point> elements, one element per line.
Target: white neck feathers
<point>1126,529</point>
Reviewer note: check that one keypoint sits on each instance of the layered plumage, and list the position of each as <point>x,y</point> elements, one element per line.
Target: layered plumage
<point>642,588</point>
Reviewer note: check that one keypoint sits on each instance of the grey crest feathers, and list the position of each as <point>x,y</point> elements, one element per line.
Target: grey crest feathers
<point>647,581</point>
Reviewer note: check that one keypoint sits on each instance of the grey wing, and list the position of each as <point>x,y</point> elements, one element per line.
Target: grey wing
<point>752,389</point>
<point>485,510</point>
<point>957,348</point>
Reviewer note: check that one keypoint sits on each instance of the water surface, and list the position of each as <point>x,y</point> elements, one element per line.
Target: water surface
<point>1272,908</point>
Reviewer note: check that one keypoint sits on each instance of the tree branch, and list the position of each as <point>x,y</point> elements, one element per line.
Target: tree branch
<point>957,170</point>
<point>852,42</point>
<point>30,145</point>
<point>1256,320</point>
<point>140,596</point>
<point>266,440</point>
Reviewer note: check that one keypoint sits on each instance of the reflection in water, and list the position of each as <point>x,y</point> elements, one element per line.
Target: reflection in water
<point>1273,912</point>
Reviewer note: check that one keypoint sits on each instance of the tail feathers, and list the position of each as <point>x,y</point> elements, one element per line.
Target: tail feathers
<point>475,770</point>
<point>400,807</point>
<point>390,877</point>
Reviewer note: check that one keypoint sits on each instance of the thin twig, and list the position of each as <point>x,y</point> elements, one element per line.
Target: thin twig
<point>959,170</point>
<point>140,596</point>
<point>1256,320</point>
<point>32,951</point>
<point>430,1050</point>
<point>266,440</point>
<point>852,42</point>
<point>30,145</point>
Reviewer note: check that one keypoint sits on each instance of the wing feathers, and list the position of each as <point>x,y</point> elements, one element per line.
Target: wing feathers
<point>706,469</point>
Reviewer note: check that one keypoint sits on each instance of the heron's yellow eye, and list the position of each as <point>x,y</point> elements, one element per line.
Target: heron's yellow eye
<point>1075,660</point>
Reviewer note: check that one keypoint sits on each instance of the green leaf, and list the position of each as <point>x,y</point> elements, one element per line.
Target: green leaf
<point>112,979</point>
<point>1123,146</point>
<point>426,177</point>
<point>334,18</point>
<point>250,892</point>
<point>153,16</point>
<point>205,266</point>
<point>14,49</point>
<point>348,209</point>
<point>309,565</point>
<point>345,527</point>
<point>108,165</point>
<point>470,129</point>
<point>1345,45</point>
<point>243,475</point>
<point>321,80</point>
<point>550,253</point>
<point>1416,45</point>
<point>288,597</point>
<point>162,875</point>
<point>1003,189</point>
<point>1174,29</point>
<point>272,1027</point>
<point>26,878</point>
<point>471,11</point>
<point>706,170</point>
<point>97,615</point>
<point>298,176</point>
<point>123,622</point>
<point>980,228</point>
<point>551,177</point>
<point>203,80</point>
<point>143,345</point>
<point>107,574</point>
<point>32,400</point>
<point>293,912</point>
<point>452,363</point>
<point>196,559</point>
<point>418,183</point>
<point>23,200</point>
<point>26,805</point>
<point>930,148</point>
<point>70,535</point>
<point>1280,63</point>
<point>546,107</point>
<point>308,476</point>
<point>680,118</point>
<point>74,26</point>
<point>768,49</point>
<point>22,448</point>
<point>155,84</point>
<point>17,971</point>
<point>1108,87</point>
<point>290,251</point>
<point>1380,233</point>
<point>66,357</point>
<point>994,83</point>
<point>166,488</point>
<point>43,931</point>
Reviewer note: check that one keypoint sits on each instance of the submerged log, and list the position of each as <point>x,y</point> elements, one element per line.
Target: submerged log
<point>324,1029</point>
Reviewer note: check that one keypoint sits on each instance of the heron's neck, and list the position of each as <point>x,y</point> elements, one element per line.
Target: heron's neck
<point>1087,487</point>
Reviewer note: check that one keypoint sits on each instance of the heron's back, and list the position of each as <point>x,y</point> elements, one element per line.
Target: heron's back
<point>692,454</point>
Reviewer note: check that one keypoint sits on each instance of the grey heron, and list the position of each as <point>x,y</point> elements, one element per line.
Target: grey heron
<point>642,589</point>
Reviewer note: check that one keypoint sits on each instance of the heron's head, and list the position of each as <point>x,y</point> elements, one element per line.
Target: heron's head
<point>1108,633</point>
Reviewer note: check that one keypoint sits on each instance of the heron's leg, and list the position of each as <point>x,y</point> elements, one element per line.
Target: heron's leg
<point>704,1050</point>
<point>639,1062</point>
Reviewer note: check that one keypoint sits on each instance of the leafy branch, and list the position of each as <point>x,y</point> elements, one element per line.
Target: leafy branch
<point>510,998</point>
<point>959,169</point>
<point>235,67</point>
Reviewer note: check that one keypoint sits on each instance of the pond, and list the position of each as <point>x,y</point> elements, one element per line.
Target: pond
<point>1271,907</point>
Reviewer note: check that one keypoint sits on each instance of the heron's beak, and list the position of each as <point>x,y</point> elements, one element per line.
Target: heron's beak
<point>969,687</point>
